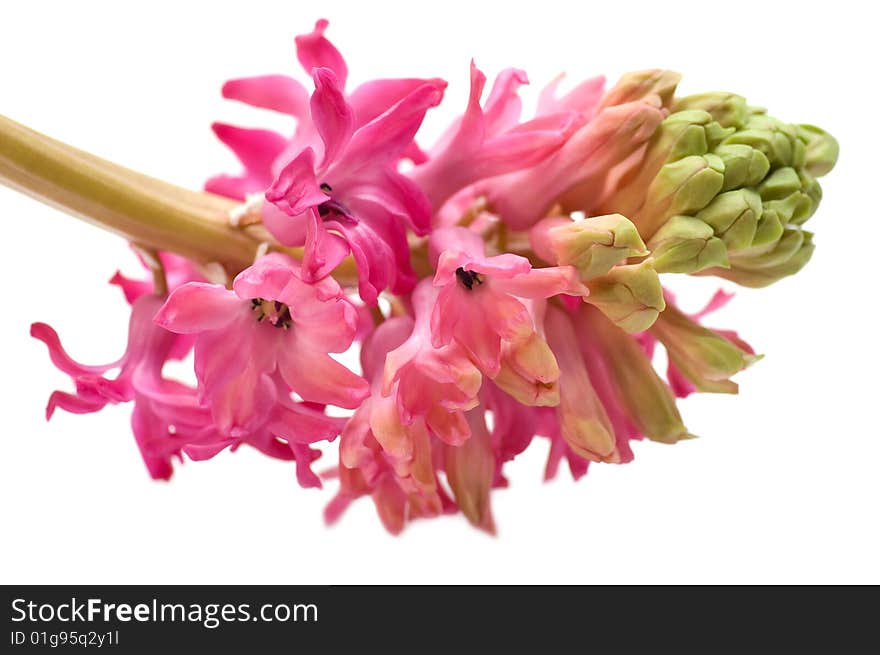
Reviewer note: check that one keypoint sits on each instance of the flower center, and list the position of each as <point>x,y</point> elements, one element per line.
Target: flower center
<point>334,209</point>
<point>325,207</point>
<point>276,313</point>
<point>467,278</point>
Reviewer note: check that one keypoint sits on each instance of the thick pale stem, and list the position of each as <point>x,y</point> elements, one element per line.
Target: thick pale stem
<point>149,212</point>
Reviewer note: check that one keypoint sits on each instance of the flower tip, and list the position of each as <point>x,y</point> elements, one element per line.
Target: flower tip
<point>38,329</point>
<point>324,77</point>
<point>749,359</point>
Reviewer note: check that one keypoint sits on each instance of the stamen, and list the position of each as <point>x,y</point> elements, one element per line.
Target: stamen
<point>467,278</point>
<point>277,313</point>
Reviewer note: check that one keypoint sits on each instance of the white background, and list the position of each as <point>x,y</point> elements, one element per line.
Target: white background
<point>782,486</point>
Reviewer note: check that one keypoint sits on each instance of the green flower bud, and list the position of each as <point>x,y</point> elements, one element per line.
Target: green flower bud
<point>704,357</point>
<point>593,246</point>
<point>733,215</point>
<point>777,140</point>
<point>822,149</point>
<point>809,187</point>
<point>780,184</point>
<point>681,187</point>
<point>686,245</point>
<point>743,165</point>
<point>631,296</point>
<point>789,255</point>
<point>645,397</point>
<point>769,230</point>
<point>680,135</point>
<point>638,85</point>
<point>723,187</point>
<point>729,109</point>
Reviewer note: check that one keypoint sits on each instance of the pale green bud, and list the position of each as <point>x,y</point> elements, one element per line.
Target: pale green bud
<point>593,245</point>
<point>777,140</point>
<point>645,397</point>
<point>733,215</point>
<point>686,245</point>
<point>744,166</point>
<point>529,372</point>
<point>704,357</point>
<point>631,296</point>
<point>822,149</point>
<point>682,134</point>
<point>790,254</point>
<point>770,229</point>
<point>681,187</point>
<point>780,184</point>
<point>729,109</point>
<point>638,85</point>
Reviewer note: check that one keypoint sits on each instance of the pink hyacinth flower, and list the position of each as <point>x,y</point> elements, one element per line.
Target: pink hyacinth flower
<point>347,195</point>
<point>379,455</point>
<point>438,384</point>
<point>488,140</point>
<point>523,198</point>
<point>140,368</point>
<point>271,321</point>
<point>158,403</point>
<point>480,302</point>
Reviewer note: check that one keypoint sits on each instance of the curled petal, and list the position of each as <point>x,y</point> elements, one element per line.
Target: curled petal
<point>314,50</point>
<point>59,356</point>
<point>333,117</point>
<point>296,190</point>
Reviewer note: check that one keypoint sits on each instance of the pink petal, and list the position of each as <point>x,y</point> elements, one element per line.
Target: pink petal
<point>297,423</point>
<point>716,302</point>
<point>332,116</point>
<point>256,149</point>
<point>314,51</point>
<point>276,92</point>
<point>197,307</point>
<point>504,266</point>
<point>584,98</point>
<point>242,406</point>
<point>296,190</point>
<point>59,356</point>
<point>132,289</point>
<point>304,457</point>
<point>267,278</point>
<point>319,378</point>
<point>289,230</point>
<point>232,186</point>
<point>503,106</point>
<point>374,98</point>
<point>543,283</point>
<point>73,404</point>
<point>324,251</point>
<point>382,140</point>
<point>680,385</point>
<point>154,442</point>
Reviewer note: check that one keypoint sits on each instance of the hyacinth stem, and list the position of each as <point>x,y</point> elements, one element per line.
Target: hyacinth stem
<point>151,213</point>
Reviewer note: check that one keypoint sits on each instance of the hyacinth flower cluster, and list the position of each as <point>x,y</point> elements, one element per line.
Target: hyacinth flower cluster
<point>500,285</point>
